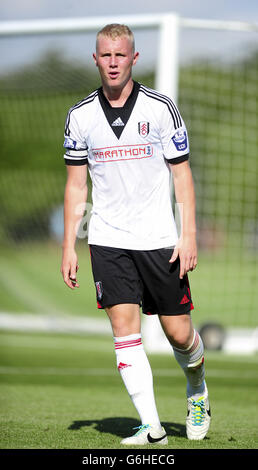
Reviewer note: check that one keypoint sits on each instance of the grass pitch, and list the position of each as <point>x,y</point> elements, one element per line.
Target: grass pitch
<point>64,392</point>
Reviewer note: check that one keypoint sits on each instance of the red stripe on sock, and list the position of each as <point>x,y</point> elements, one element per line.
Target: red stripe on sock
<point>128,344</point>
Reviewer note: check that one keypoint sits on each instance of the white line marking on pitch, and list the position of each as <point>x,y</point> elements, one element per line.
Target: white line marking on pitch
<point>6,370</point>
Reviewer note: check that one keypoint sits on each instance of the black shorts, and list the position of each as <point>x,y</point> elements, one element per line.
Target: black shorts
<point>140,277</point>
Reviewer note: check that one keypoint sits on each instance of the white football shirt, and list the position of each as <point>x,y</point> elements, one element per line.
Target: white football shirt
<point>127,151</point>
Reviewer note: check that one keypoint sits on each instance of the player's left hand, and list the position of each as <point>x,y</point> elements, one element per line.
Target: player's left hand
<point>186,249</point>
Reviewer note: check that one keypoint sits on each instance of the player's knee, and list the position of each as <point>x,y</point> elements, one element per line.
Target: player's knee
<point>178,329</point>
<point>181,340</point>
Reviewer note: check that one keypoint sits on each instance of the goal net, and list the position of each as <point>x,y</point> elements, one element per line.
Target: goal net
<point>217,96</point>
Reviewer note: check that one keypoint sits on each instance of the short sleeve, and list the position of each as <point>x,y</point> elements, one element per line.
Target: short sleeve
<point>76,150</point>
<point>174,135</point>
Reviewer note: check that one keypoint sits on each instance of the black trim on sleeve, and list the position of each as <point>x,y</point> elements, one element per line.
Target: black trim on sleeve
<point>166,100</point>
<point>76,162</point>
<point>81,103</point>
<point>176,160</point>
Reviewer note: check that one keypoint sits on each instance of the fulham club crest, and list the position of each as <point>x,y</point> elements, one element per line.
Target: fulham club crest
<point>99,289</point>
<point>143,128</point>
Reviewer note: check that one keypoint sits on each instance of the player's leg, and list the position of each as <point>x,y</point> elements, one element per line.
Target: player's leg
<point>125,319</point>
<point>169,296</point>
<point>135,371</point>
<point>188,350</point>
<point>119,291</point>
<point>189,353</point>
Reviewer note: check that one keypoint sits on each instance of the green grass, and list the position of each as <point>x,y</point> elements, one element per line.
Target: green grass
<point>64,392</point>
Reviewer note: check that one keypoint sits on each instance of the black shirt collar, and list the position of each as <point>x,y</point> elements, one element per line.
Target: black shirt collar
<point>118,117</point>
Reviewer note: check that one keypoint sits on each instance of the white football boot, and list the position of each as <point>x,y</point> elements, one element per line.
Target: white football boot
<point>147,434</point>
<point>198,417</point>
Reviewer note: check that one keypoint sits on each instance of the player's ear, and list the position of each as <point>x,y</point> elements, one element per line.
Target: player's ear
<point>94,55</point>
<point>135,57</point>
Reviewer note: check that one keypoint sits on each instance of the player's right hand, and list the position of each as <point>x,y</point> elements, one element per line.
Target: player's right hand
<point>69,267</point>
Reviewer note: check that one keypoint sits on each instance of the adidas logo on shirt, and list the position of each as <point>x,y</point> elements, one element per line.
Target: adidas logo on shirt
<point>118,122</point>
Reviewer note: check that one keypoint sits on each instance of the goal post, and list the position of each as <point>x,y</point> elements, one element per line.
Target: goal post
<point>166,73</point>
<point>168,24</point>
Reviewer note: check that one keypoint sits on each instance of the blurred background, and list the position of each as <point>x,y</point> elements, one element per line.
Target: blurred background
<point>41,76</point>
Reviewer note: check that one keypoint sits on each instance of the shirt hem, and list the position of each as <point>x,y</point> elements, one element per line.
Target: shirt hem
<point>132,246</point>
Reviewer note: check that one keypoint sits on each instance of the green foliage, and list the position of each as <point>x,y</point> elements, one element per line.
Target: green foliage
<point>219,104</point>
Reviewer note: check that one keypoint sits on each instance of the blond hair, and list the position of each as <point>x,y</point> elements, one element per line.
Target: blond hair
<point>116,30</point>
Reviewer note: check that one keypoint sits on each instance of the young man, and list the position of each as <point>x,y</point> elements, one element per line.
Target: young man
<point>131,138</point>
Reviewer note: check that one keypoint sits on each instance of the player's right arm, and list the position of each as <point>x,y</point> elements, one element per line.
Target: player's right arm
<point>75,197</point>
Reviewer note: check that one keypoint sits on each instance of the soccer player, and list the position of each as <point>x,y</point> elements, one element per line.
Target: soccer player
<point>131,138</point>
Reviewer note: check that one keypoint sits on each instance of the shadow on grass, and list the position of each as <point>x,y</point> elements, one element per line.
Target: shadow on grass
<point>123,427</point>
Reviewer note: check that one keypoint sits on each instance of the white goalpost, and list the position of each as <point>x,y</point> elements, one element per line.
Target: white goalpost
<point>167,24</point>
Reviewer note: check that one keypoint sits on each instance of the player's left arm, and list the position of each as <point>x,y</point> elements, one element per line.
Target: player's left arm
<point>186,247</point>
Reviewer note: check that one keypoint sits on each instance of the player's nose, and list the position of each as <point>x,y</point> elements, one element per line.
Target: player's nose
<point>113,61</point>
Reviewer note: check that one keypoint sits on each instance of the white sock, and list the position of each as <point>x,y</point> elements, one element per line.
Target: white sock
<point>136,373</point>
<point>192,362</point>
